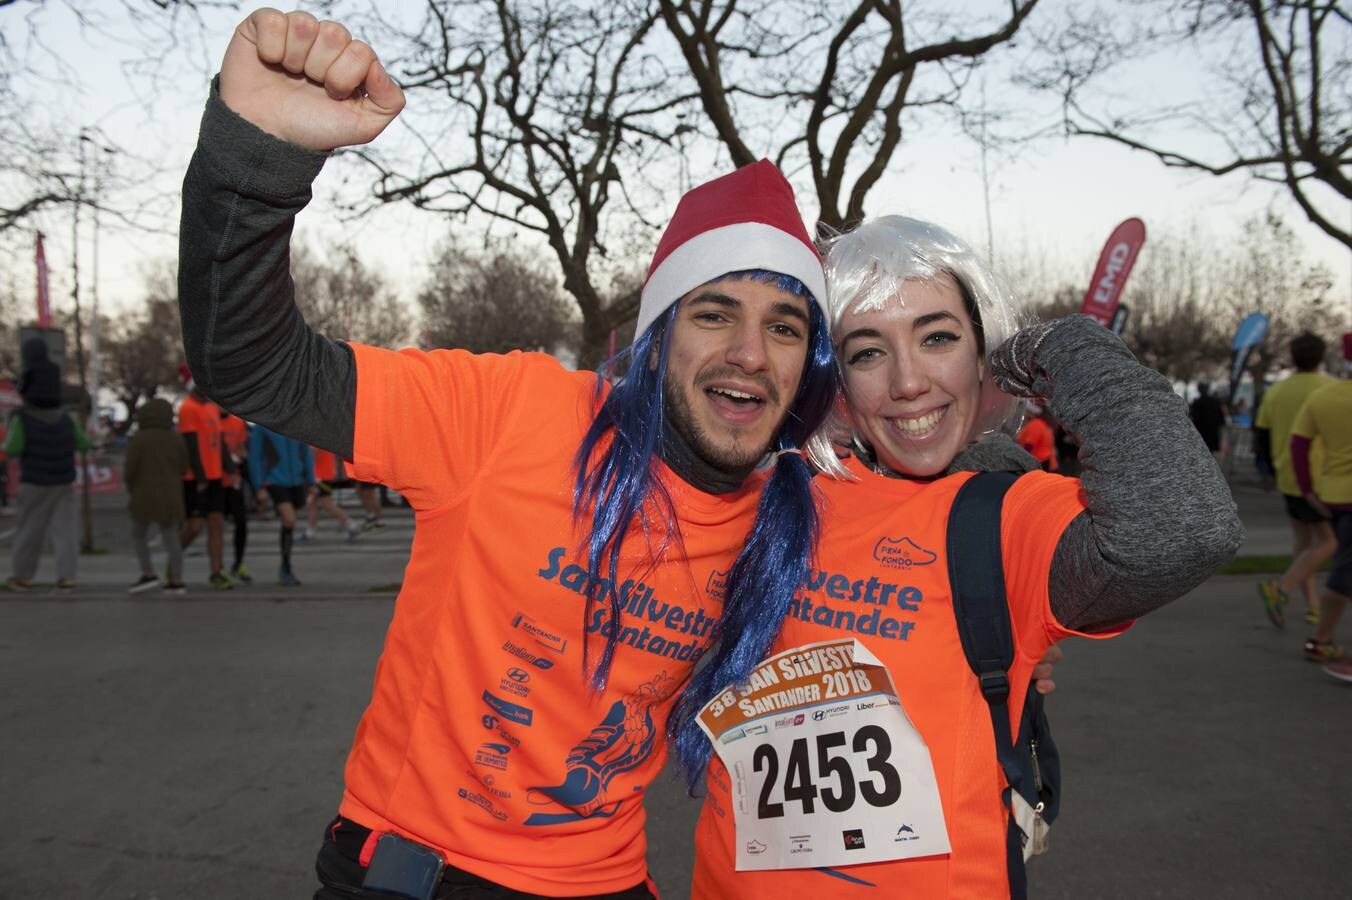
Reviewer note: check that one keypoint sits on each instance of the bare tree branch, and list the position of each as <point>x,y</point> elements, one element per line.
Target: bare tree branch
<point>1281,111</point>
<point>831,81</point>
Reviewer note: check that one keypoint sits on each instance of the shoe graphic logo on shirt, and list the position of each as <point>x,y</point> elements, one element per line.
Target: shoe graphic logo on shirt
<point>755,847</point>
<point>509,711</point>
<point>901,553</point>
<point>543,636</point>
<point>854,839</point>
<point>620,743</point>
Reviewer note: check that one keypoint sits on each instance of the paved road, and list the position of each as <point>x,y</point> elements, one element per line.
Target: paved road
<point>192,747</point>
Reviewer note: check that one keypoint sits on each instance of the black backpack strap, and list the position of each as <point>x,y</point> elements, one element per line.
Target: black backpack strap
<point>976,575</point>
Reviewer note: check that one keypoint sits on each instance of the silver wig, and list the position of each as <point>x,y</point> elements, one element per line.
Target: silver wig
<point>865,271</point>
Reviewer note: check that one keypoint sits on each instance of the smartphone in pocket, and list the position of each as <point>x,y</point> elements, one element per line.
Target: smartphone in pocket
<point>403,868</point>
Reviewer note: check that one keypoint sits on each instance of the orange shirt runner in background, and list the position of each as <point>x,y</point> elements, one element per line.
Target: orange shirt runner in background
<point>482,738</point>
<point>1038,438</point>
<point>235,445</point>
<point>326,465</point>
<point>202,418</point>
<point>881,576</point>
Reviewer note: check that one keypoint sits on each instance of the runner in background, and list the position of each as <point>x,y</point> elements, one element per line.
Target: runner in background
<point>1327,416</point>
<point>285,469</point>
<point>1038,437</point>
<point>369,496</point>
<point>322,494</point>
<point>1312,539</point>
<point>199,422</point>
<point>916,315</point>
<point>235,481</point>
<point>1208,417</point>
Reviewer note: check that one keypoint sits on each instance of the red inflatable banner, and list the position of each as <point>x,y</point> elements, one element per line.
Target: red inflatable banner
<point>1114,265</point>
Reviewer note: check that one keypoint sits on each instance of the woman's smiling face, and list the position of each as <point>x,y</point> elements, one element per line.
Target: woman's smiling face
<point>913,373</point>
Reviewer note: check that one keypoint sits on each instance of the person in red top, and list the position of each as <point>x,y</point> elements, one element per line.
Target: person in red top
<point>916,793</point>
<point>199,421</point>
<point>235,480</point>
<point>1039,438</point>
<point>576,537</point>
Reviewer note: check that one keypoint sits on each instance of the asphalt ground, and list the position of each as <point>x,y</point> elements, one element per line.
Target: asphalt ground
<point>157,747</point>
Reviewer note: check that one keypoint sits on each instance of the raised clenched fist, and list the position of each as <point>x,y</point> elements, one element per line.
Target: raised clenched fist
<point>307,81</point>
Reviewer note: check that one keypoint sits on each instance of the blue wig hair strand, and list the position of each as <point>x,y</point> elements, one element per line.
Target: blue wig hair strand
<point>772,565</point>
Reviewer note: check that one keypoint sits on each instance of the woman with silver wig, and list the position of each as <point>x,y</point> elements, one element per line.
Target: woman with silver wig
<point>935,358</point>
<point>866,270</point>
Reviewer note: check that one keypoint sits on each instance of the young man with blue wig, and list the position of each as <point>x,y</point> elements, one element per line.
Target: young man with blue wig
<point>579,546</point>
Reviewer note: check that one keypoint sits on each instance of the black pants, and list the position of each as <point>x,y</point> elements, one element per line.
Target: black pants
<point>341,873</point>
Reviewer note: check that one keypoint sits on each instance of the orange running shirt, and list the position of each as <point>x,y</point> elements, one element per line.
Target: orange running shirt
<point>882,576</point>
<point>202,418</point>
<point>235,442</point>
<point>482,738</point>
<point>326,464</point>
<point>1037,438</point>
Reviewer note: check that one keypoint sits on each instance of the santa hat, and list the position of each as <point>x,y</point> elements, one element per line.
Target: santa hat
<point>745,220</point>
<point>185,376</point>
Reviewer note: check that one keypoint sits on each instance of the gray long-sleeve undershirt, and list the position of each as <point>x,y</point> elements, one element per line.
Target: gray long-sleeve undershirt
<point>1160,517</point>
<point>247,345</point>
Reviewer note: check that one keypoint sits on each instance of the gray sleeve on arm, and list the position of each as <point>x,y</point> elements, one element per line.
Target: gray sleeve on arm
<point>247,345</point>
<point>1160,518</point>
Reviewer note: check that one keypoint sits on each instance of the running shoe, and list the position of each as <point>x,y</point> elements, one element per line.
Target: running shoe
<point>304,535</point>
<point>1274,599</point>
<point>144,583</point>
<point>1340,670</point>
<point>175,587</point>
<point>18,585</point>
<point>1322,651</point>
<point>241,573</point>
<point>1311,615</point>
<point>286,579</point>
<point>219,581</point>
<point>63,586</point>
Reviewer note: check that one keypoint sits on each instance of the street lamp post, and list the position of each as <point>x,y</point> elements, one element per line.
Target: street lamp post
<point>87,519</point>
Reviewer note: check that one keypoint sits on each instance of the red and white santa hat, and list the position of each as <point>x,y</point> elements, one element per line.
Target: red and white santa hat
<point>185,376</point>
<point>744,220</point>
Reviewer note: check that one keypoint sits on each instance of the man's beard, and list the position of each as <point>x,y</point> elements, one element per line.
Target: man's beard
<point>734,457</point>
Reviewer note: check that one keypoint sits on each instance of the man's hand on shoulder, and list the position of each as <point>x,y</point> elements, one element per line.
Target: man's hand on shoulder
<point>307,81</point>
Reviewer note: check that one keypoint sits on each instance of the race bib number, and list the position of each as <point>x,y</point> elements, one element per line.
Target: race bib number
<point>826,768</point>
